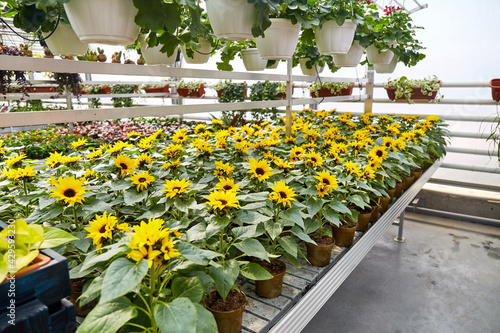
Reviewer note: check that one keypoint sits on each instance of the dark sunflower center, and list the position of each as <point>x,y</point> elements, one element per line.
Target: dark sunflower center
<point>228,187</point>
<point>259,171</point>
<point>222,201</point>
<point>142,180</point>
<point>103,229</point>
<point>70,193</point>
<point>379,153</point>
<point>283,195</point>
<point>387,144</point>
<point>326,181</point>
<point>177,188</point>
<point>123,166</point>
<point>313,159</point>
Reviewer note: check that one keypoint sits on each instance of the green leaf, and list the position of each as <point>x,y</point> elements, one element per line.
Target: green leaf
<point>92,292</point>
<point>205,321</point>
<point>331,216</point>
<point>255,271</point>
<point>253,248</point>
<point>91,260</point>
<point>118,185</point>
<point>188,287</point>
<point>314,206</point>
<point>357,200</point>
<point>273,229</point>
<point>122,276</point>
<point>289,245</point>
<point>294,215</point>
<point>224,276</point>
<point>108,317</point>
<point>180,315</point>
<point>245,232</point>
<point>252,217</point>
<point>131,196</point>
<point>255,205</point>
<point>197,232</point>
<point>45,201</point>
<point>83,243</point>
<point>154,211</point>
<point>299,233</point>
<point>339,207</point>
<point>195,254</point>
<point>93,205</point>
<point>55,237</point>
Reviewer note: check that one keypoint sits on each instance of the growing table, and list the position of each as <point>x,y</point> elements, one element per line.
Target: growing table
<point>308,288</point>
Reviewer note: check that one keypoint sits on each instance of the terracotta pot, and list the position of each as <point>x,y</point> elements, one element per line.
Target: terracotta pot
<point>39,261</point>
<point>41,89</point>
<point>417,173</point>
<point>325,92</point>
<point>228,321</point>
<point>408,181</point>
<point>271,288</point>
<point>399,189</point>
<point>319,255</point>
<point>363,220</point>
<point>76,292</point>
<point>343,236</point>
<point>416,94</point>
<point>384,203</point>
<point>164,89</point>
<point>495,89</point>
<point>375,212</point>
<point>105,90</point>
<point>283,95</point>
<point>184,92</point>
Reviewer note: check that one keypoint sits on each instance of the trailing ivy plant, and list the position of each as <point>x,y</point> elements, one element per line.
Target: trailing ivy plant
<point>404,87</point>
<point>120,102</point>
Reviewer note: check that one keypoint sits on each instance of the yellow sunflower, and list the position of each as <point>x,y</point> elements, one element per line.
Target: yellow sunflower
<point>118,147</point>
<point>314,160</point>
<point>69,190</point>
<point>71,160</point>
<point>176,187</point>
<point>101,228</point>
<point>222,200</point>
<point>79,143</point>
<point>322,190</point>
<point>25,174</point>
<point>142,180</point>
<point>297,153</point>
<point>199,128</point>
<point>145,143</point>
<point>172,150</point>
<point>227,184</point>
<point>352,168</point>
<point>144,159</point>
<point>133,134</point>
<point>260,169</point>
<point>282,165</point>
<point>180,136</point>
<point>94,154</point>
<point>125,164</point>
<point>282,194</point>
<point>223,169</point>
<point>123,227</point>
<point>378,152</point>
<point>326,179</point>
<point>171,165</point>
<point>15,160</point>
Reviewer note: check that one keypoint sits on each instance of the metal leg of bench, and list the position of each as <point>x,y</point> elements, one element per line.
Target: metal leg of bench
<point>400,237</point>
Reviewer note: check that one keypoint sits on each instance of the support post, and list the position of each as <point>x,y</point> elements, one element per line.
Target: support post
<point>69,102</point>
<point>370,75</point>
<point>400,237</point>
<point>288,118</point>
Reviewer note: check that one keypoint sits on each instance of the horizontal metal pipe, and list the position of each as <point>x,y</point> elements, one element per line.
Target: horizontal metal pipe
<point>476,168</point>
<point>472,135</point>
<point>471,151</point>
<point>454,216</point>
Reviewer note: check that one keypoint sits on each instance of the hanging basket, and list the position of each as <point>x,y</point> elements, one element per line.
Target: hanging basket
<point>382,58</point>
<point>307,71</point>
<point>201,55</point>
<point>335,39</point>
<point>280,40</point>
<point>231,19</point>
<point>104,22</point>
<point>386,69</point>
<point>252,60</point>
<point>65,42</point>
<point>351,58</point>
<point>154,56</point>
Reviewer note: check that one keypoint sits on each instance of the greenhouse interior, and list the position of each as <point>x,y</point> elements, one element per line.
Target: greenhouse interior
<point>249,166</point>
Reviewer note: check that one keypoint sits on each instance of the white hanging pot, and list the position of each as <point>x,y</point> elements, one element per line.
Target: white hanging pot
<point>201,55</point>
<point>335,39</point>
<point>104,22</point>
<point>382,58</point>
<point>307,71</point>
<point>386,69</point>
<point>280,39</point>
<point>154,56</point>
<point>252,60</point>
<point>351,58</point>
<point>65,42</point>
<point>231,19</point>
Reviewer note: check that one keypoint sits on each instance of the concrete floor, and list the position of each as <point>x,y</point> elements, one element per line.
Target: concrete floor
<point>444,278</point>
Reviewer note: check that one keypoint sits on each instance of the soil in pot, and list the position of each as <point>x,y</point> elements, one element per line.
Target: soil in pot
<point>76,291</point>
<point>320,255</point>
<point>228,314</point>
<point>344,235</point>
<point>271,288</point>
